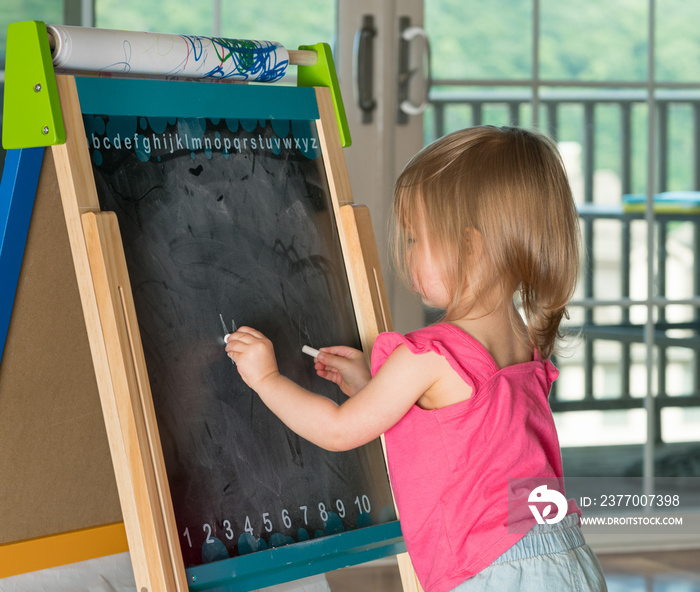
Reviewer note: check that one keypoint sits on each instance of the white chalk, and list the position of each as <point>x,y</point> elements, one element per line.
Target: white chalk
<point>308,350</point>
<point>226,337</point>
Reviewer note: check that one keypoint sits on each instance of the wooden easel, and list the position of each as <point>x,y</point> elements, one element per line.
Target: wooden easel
<point>117,353</point>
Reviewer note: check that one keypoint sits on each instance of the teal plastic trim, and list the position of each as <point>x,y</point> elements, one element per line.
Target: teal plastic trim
<point>160,98</point>
<point>300,560</point>
<point>31,109</point>
<point>323,74</point>
<point>20,178</point>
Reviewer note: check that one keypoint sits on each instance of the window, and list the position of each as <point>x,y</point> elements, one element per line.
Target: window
<point>273,20</point>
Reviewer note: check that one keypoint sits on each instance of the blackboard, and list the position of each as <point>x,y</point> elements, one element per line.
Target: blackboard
<point>233,216</point>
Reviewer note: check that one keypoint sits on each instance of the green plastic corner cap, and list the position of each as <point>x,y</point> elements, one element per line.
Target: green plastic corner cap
<point>32,112</point>
<point>322,73</point>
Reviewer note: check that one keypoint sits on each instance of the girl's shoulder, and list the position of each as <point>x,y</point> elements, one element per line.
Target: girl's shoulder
<point>464,353</point>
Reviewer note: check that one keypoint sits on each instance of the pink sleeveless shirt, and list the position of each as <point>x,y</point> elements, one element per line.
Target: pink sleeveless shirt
<point>450,467</point>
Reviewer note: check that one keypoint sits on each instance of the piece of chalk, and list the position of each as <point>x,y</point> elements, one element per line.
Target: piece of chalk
<point>307,349</point>
<point>226,337</point>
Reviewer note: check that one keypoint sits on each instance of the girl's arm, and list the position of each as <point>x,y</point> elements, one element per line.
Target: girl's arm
<point>381,403</point>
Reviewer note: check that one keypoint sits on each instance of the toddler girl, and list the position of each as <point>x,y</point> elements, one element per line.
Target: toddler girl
<point>483,217</point>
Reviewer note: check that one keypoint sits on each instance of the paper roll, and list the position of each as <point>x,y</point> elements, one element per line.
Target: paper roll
<point>157,54</point>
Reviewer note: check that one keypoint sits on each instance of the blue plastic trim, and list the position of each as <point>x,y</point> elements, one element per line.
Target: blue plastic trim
<point>160,98</point>
<point>299,560</point>
<point>20,177</point>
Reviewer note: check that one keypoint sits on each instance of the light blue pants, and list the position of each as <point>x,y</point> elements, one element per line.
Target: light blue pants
<point>549,558</point>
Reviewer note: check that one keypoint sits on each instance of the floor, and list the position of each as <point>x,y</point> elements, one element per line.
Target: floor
<point>653,572</point>
<point>677,571</point>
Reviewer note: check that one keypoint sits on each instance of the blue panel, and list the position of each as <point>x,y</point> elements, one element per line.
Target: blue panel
<point>300,560</point>
<point>17,191</point>
<point>159,98</point>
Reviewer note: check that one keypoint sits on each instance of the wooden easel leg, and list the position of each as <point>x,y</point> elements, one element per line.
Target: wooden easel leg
<point>130,421</point>
<point>409,580</point>
<point>369,292</point>
<point>100,271</point>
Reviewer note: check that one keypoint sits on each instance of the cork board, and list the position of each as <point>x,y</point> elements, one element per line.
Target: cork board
<point>56,474</point>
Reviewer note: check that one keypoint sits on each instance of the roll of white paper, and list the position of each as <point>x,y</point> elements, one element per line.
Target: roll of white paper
<point>157,54</point>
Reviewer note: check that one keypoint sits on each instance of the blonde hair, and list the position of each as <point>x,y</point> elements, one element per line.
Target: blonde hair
<point>510,185</point>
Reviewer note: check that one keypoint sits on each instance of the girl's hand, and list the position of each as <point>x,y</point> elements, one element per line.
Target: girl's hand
<point>254,356</point>
<point>344,366</point>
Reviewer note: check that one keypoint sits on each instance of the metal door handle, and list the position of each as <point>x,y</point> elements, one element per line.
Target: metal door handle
<point>364,67</point>
<point>406,73</point>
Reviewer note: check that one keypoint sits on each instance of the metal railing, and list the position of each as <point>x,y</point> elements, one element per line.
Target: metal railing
<point>516,106</point>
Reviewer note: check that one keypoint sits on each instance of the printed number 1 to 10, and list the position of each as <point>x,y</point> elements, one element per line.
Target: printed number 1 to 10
<point>363,504</point>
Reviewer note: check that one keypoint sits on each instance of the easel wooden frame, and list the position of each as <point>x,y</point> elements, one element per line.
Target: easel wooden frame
<point>120,369</point>
<point>118,354</point>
